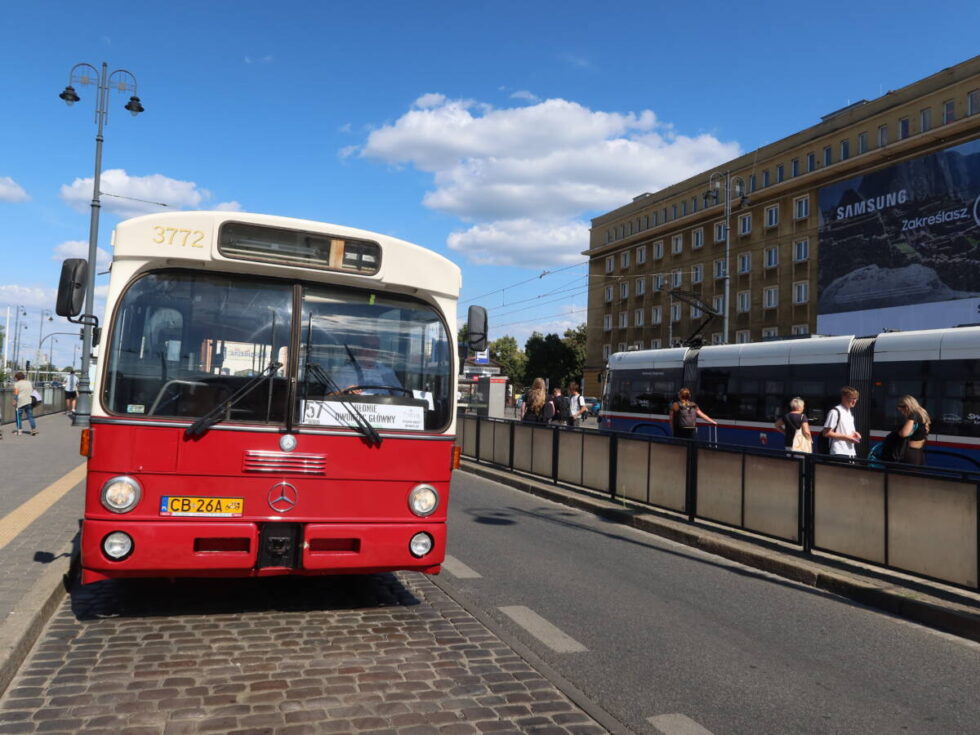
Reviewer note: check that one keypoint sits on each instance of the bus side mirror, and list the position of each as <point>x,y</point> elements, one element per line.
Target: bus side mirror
<point>477,328</point>
<point>71,288</point>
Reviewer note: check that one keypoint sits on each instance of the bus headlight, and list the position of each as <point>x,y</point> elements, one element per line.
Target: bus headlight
<point>420,545</point>
<point>423,500</point>
<point>121,494</point>
<point>117,545</point>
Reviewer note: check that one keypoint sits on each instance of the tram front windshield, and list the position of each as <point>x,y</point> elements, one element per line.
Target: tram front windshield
<point>183,343</point>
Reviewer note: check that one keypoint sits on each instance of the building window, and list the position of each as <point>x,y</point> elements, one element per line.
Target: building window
<point>624,259</point>
<point>794,167</point>
<point>624,290</point>
<point>765,178</point>
<point>655,218</point>
<point>770,332</point>
<point>654,344</point>
<point>845,150</point>
<point>694,204</point>
<point>721,268</point>
<point>949,112</point>
<point>743,302</point>
<point>658,249</point>
<point>609,293</point>
<point>801,208</point>
<point>799,329</point>
<point>609,235</point>
<point>811,162</point>
<point>862,143</point>
<point>695,312</point>
<point>676,278</point>
<point>646,222</point>
<point>745,224</point>
<point>801,250</point>
<point>770,297</point>
<point>624,317</point>
<point>973,102</point>
<point>743,336</point>
<point>828,156</point>
<point>882,136</point>
<point>697,239</point>
<point>610,264</point>
<point>684,208</point>
<point>801,292</point>
<point>606,322</point>
<point>925,119</point>
<point>675,312</point>
<point>751,182</point>
<point>658,282</point>
<point>697,273</point>
<point>744,262</point>
<point>641,285</point>
<point>606,351</point>
<point>772,256</point>
<point>716,338</point>
<point>641,255</point>
<point>638,318</point>
<point>718,304</point>
<point>772,215</point>
<point>719,232</point>
<point>780,173</point>
<point>677,244</point>
<point>621,347</point>
<point>656,315</point>
<point>903,128</point>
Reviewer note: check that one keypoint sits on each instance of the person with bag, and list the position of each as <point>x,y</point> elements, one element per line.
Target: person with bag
<point>23,389</point>
<point>537,409</point>
<point>563,407</point>
<point>796,427</point>
<point>577,408</point>
<point>838,426</point>
<point>907,441</point>
<point>684,415</point>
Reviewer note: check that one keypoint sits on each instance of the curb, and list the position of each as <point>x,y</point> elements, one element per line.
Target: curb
<point>21,629</point>
<point>888,596</point>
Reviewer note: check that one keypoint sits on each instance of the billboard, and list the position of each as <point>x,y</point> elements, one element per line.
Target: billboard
<point>900,246</point>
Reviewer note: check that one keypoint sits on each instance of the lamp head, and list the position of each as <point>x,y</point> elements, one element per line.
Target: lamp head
<point>134,106</point>
<point>69,96</point>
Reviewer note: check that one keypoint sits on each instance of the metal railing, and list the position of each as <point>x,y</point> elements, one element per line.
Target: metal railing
<point>52,401</point>
<point>922,521</point>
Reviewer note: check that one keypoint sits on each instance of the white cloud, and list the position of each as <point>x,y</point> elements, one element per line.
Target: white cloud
<point>533,173</point>
<point>523,94</point>
<point>79,249</point>
<point>524,242</point>
<point>30,297</point>
<point>129,196</point>
<point>11,191</point>
<point>232,206</point>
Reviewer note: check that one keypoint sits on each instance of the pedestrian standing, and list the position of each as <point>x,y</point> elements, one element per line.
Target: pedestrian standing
<point>23,388</point>
<point>684,415</point>
<point>577,406</point>
<point>796,427</point>
<point>839,426</point>
<point>537,408</point>
<point>71,392</point>
<point>914,426</point>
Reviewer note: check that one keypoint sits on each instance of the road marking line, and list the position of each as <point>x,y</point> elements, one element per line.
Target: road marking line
<point>677,724</point>
<point>541,629</point>
<point>458,569</point>
<point>24,515</point>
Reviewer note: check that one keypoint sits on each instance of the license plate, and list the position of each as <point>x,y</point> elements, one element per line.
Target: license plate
<point>180,505</point>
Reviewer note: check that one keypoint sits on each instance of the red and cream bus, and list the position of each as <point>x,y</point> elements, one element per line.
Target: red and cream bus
<point>273,396</point>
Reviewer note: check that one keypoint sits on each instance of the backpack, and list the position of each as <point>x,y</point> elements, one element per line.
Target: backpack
<point>563,409</point>
<point>687,416</point>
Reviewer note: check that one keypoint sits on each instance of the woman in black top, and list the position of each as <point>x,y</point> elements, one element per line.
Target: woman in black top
<point>914,424</point>
<point>795,419</point>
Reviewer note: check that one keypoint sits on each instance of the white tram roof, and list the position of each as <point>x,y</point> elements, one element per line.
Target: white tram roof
<point>672,357</point>
<point>402,263</point>
<point>961,343</point>
<point>782,352</point>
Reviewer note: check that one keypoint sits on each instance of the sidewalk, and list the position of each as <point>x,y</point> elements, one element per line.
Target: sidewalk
<point>41,500</point>
<point>936,605</point>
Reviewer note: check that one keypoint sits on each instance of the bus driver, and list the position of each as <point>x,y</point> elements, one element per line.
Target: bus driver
<point>364,372</point>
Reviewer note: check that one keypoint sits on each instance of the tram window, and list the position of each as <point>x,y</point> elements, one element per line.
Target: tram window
<point>957,408</point>
<point>714,392</point>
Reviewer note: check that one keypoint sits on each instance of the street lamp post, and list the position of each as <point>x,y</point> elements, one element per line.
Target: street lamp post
<point>123,81</point>
<point>40,334</point>
<point>717,181</point>
<point>17,326</point>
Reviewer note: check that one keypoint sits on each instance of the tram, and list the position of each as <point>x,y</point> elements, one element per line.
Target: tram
<point>273,396</point>
<point>746,387</point>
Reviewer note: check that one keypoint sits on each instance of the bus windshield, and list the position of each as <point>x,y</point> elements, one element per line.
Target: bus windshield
<point>184,342</point>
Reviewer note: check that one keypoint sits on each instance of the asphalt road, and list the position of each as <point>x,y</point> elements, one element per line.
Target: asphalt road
<point>698,643</point>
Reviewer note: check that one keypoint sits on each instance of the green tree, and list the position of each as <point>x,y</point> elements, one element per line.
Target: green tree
<point>512,360</point>
<point>550,358</point>
<point>575,339</point>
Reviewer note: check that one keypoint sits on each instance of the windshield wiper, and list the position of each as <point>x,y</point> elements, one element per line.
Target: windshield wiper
<point>216,414</point>
<point>313,369</point>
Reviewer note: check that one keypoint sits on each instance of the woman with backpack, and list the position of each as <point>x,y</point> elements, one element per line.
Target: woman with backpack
<point>793,422</point>
<point>684,415</point>
<point>536,408</point>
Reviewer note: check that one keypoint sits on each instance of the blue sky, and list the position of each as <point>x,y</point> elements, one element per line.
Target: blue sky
<point>490,132</point>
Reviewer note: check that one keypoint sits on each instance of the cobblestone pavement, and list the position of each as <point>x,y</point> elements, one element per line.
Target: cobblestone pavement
<point>385,654</point>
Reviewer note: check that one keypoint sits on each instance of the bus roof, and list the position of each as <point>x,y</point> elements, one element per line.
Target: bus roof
<point>193,236</point>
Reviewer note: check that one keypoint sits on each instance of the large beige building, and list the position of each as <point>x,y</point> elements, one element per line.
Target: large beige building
<point>753,224</point>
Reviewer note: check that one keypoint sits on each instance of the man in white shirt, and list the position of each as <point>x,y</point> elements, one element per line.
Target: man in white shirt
<point>839,426</point>
<point>578,407</point>
<point>71,391</point>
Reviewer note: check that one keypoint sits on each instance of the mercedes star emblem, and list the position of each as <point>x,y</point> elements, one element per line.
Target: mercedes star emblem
<point>283,497</point>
